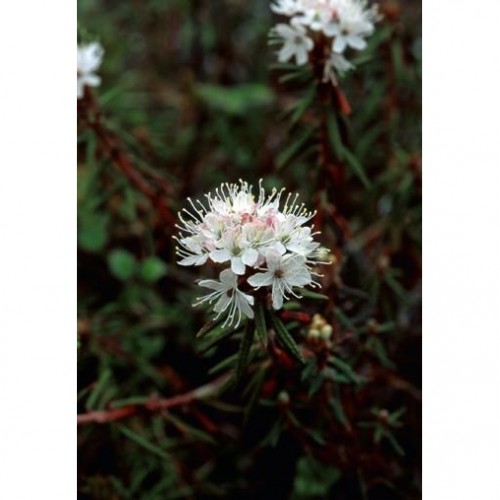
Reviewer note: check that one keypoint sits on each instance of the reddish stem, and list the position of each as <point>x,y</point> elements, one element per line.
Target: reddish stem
<point>112,147</point>
<point>153,405</point>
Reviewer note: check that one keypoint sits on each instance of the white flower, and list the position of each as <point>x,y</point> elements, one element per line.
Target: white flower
<point>336,64</point>
<point>286,7</point>
<point>194,252</point>
<point>237,249</point>
<point>295,43</point>
<point>301,242</point>
<point>314,15</point>
<point>89,58</point>
<point>350,24</point>
<point>283,273</point>
<point>345,24</point>
<point>244,233</point>
<point>229,298</point>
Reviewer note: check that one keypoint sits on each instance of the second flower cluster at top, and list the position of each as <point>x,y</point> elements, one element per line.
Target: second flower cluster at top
<point>261,244</point>
<point>342,23</point>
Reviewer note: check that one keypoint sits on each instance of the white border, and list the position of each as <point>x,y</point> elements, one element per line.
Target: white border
<point>38,250</point>
<point>461,250</point>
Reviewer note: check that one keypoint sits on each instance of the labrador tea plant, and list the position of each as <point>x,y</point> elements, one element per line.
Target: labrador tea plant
<point>296,182</point>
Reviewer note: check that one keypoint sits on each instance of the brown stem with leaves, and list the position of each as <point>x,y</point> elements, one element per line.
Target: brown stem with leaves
<point>111,145</point>
<point>153,404</point>
<point>330,178</point>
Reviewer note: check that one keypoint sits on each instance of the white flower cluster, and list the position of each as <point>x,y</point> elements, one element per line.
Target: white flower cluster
<point>261,244</point>
<point>89,58</point>
<point>344,24</point>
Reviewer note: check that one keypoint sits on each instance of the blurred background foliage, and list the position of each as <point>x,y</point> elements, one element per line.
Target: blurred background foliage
<point>190,99</point>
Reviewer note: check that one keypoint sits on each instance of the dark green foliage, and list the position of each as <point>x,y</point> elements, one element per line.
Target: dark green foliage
<point>286,340</point>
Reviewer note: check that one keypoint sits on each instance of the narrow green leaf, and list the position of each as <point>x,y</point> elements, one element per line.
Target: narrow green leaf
<point>274,434</point>
<point>293,419</point>
<point>294,149</point>
<point>395,286</point>
<point>334,134</point>
<point>189,429</point>
<point>208,327</point>
<point>338,410</point>
<point>222,406</point>
<point>234,100</point>
<point>308,294</point>
<point>83,392</point>
<point>141,441</point>
<point>371,103</point>
<point>309,370</point>
<point>215,336</point>
<point>286,339</point>
<point>135,400</point>
<point>345,368</point>
<point>260,323</point>
<point>108,96</point>
<point>283,67</point>
<point>316,384</point>
<point>88,175</point>
<point>303,76</point>
<point>368,139</point>
<point>253,388</point>
<point>394,417</point>
<point>245,346</point>
<point>397,447</point>
<point>386,327</point>
<point>344,320</point>
<point>379,434</point>
<point>357,168</point>
<point>98,389</point>
<point>379,350</point>
<point>302,105</point>
<point>91,150</point>
<point>316,436</point>
<point>398,59</point>
<point>293,305</point>
<point>224,364</point>
<point>339,377</point>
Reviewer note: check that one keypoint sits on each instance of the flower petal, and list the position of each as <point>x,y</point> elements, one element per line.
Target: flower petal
<point>222,303</point>
<point>300,278</point>
<point>244,304</point>
<point>193,260</point>
<point>356,42</point>
<point>213,285</point>
<point>237,266</point>
<point>220,255</point>
<point>277,295</point>
<point>92,80</point>
<point>250,256</point>
<point>228,278</point>
<point>339,44</point>
<point>260,279</point>
<point>285,53</point>
<point>284,30</point>
<point>301,56</point>
<point>331,29</point>
<point>273,259</point>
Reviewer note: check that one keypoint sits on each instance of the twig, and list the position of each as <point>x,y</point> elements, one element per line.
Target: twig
<point>153,405</point>
<point>112,147</point>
